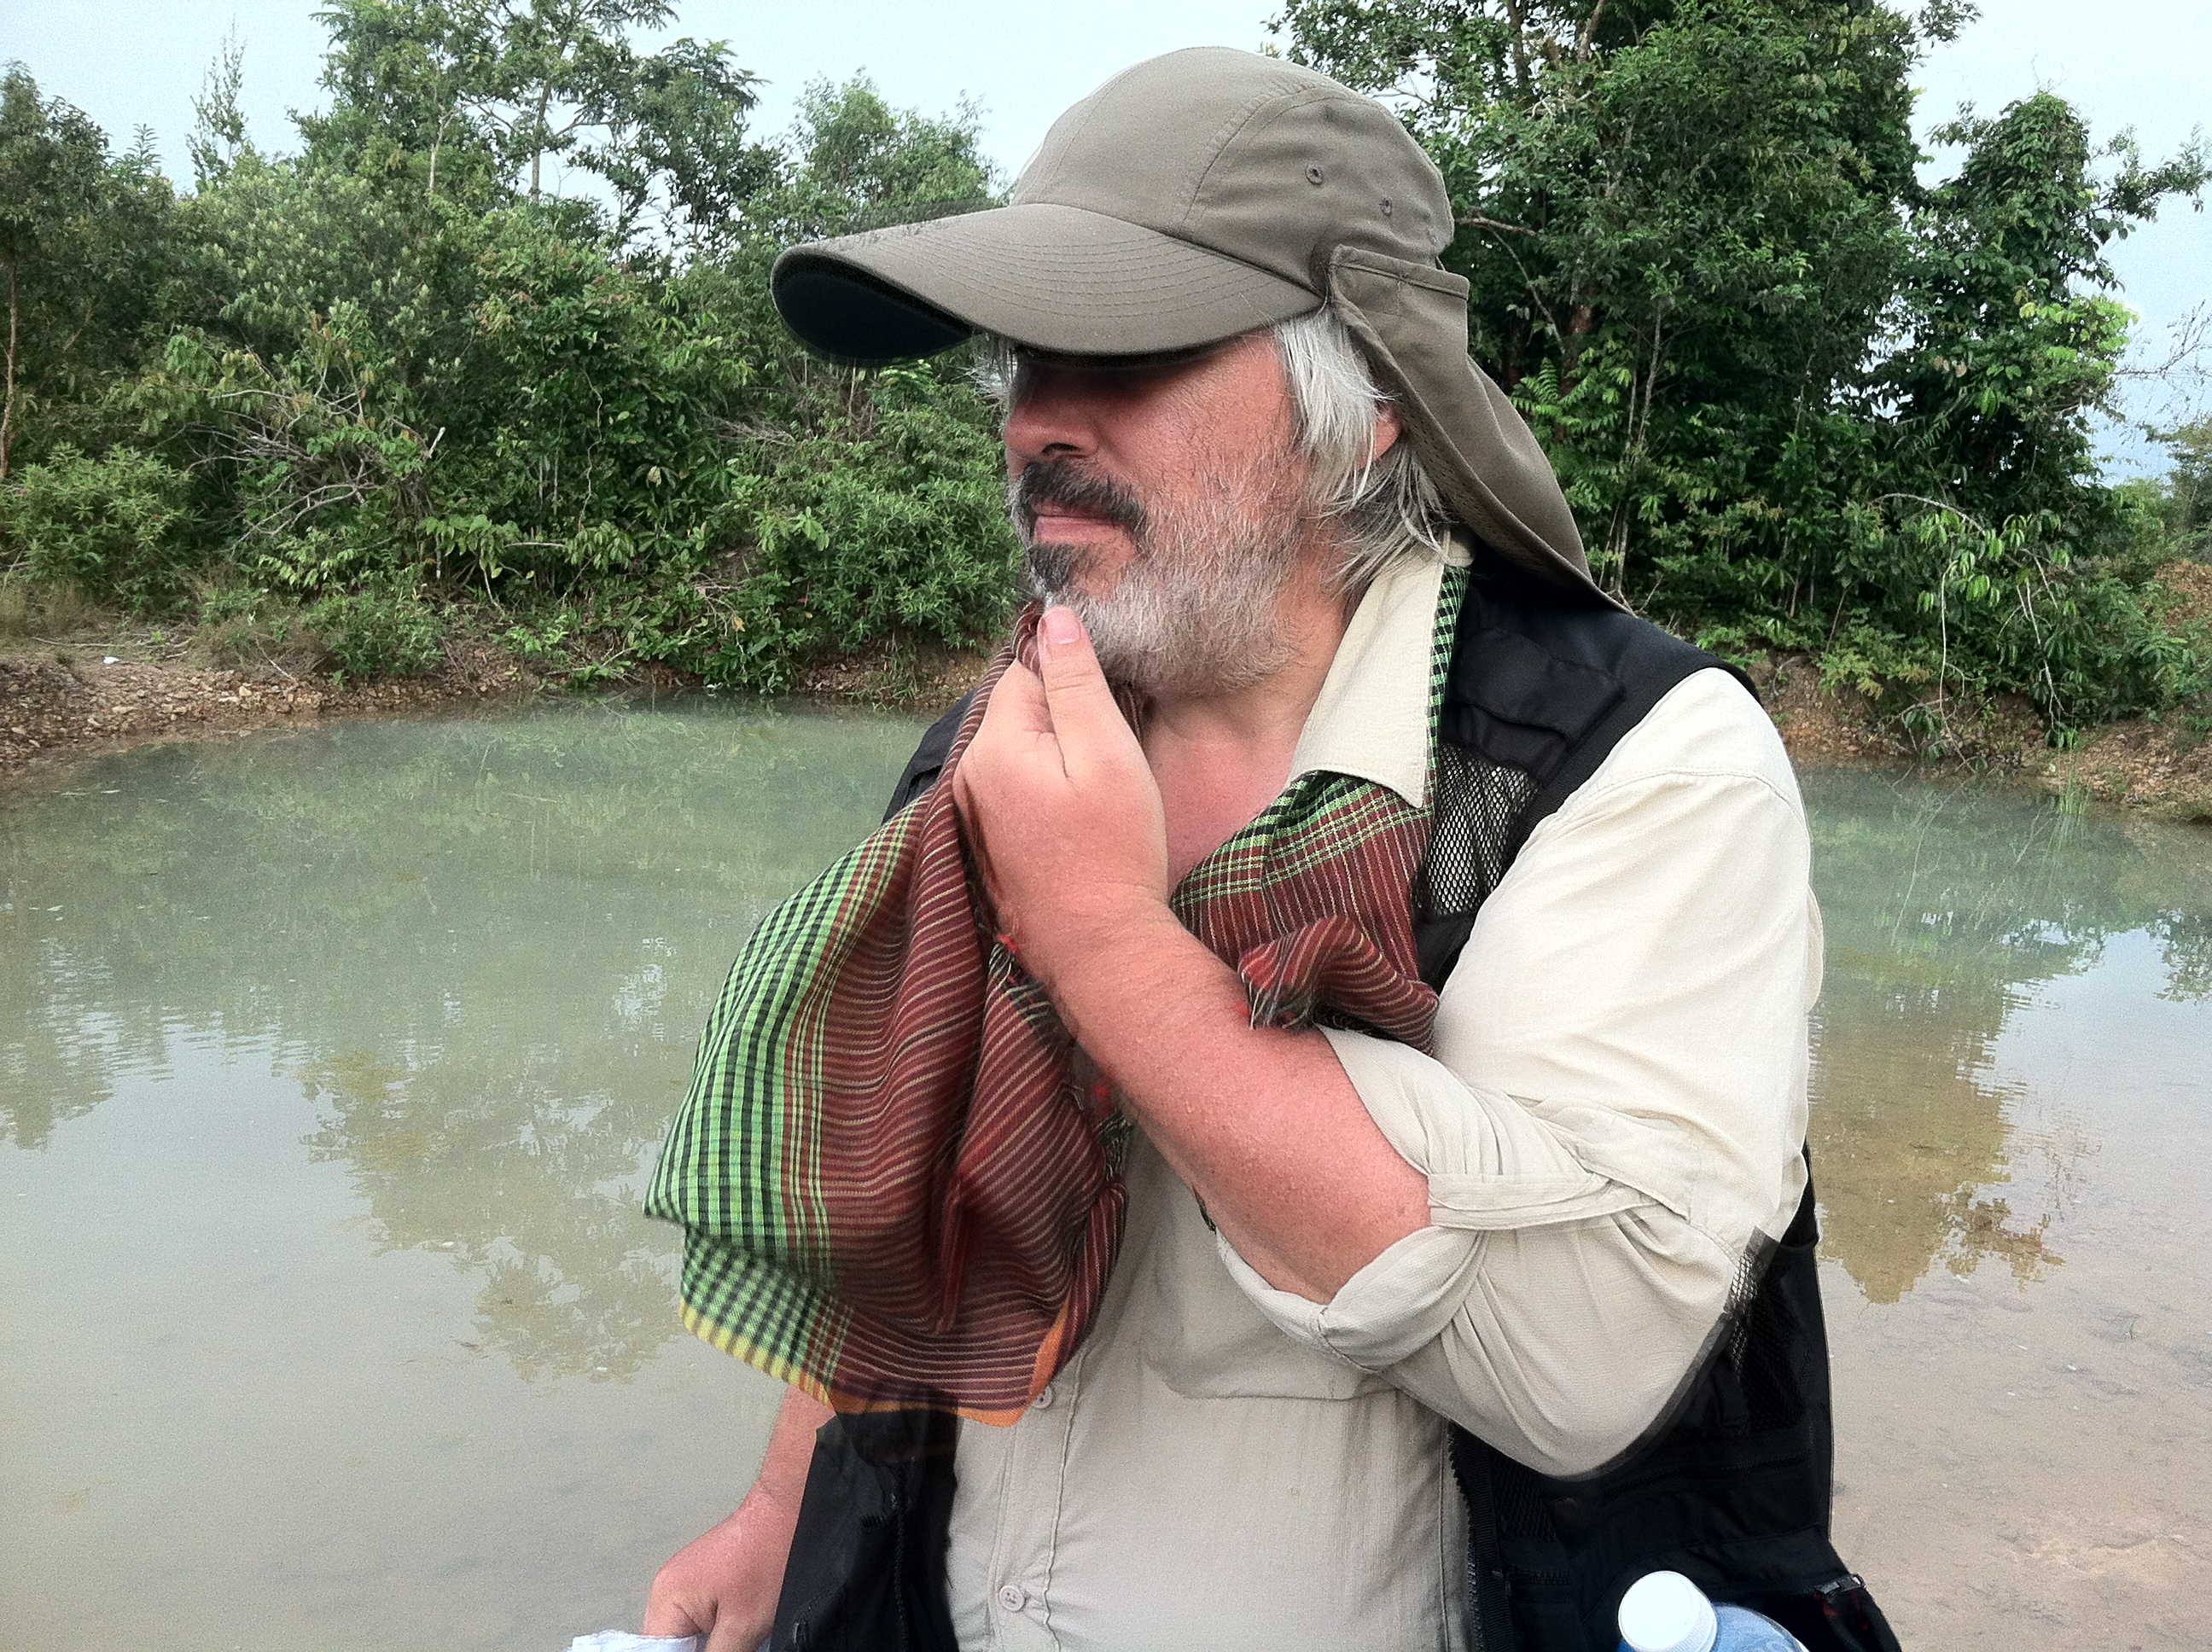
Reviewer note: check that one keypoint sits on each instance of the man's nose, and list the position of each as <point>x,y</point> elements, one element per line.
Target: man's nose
<point>1052,413</point>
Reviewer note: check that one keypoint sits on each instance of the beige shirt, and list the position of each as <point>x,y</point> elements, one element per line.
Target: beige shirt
<point>1613,1113</point>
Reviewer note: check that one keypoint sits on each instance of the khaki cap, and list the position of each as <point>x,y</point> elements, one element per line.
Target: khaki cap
<point>1192,197</point>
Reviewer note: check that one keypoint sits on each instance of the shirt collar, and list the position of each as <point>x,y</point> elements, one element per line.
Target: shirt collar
<point>1372,719</point>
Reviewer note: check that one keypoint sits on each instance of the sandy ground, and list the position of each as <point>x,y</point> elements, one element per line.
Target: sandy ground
<point>65,699</point>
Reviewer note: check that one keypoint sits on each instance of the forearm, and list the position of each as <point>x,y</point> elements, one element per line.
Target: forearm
<point>1612,1114</point>
<point>1065,821</point>
<point>782,1476</point>
<point>1262,1123</point>
<point>1533,1270</point>
<point>724,1585</point>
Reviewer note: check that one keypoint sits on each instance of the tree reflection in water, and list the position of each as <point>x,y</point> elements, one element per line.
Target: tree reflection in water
<point>484,950</point>
<point>1948,906</point>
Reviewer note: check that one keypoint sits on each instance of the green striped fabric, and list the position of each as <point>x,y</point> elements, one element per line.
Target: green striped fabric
<point>898,1180</point>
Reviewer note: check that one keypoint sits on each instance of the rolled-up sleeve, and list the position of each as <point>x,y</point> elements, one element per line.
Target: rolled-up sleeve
<point>1614,1110</point>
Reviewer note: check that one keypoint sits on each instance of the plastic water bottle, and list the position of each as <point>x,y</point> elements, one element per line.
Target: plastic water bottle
<point>1665,1612</point>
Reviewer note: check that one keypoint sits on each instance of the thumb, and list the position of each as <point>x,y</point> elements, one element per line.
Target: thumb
<point>1084,713</point>
<point>1017,705</point>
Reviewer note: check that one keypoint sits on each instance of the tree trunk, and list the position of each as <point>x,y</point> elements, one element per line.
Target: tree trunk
<point>1519,26</point>
<point>436,144</point>
<point>1588,37</point>
<point>538,137</point>
<point>7,399</point>
<point>1582,322</point>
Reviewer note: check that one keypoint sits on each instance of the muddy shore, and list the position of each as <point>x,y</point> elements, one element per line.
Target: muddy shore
<point>63,703</point>
<point>60,703</point>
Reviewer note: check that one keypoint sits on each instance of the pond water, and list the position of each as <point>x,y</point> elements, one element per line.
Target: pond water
<point>332,1063</point>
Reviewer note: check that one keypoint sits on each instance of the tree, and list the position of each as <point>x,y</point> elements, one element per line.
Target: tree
<point>2011,337</point>
<point>1796,396</point>
<point>674,137</point>
<point>81,242</point>
<point>857,163</point>
<point>395,393</point>
<point>511,82</point>
<point>2189,487</point>
<point>218,139</point>
<point>1678,284</point>
<point>1993,525</point>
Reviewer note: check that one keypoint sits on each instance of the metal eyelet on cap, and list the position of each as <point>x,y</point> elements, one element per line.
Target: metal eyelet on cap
<point>1313,175</point>
<point>1386,206</point>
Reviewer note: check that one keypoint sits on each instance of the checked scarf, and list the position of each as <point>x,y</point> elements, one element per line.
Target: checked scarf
<point>898,1178</point>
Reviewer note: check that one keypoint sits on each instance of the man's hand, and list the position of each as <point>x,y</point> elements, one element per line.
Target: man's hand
<point>1060,806</point>
<point>724,1585</point>
<point>1065,821</point>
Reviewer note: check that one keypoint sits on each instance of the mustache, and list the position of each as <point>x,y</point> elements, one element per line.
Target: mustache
<point>1065,482</point>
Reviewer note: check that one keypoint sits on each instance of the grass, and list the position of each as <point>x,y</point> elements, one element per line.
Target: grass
<point>44,613</point>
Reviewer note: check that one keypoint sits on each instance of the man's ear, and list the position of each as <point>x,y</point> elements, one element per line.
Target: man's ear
<point>1386,431</point>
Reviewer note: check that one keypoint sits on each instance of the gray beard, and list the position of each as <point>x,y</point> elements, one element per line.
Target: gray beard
<point>1193,613</point>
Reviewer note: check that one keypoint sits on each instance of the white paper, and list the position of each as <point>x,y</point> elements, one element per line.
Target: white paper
<point>621,1640</point>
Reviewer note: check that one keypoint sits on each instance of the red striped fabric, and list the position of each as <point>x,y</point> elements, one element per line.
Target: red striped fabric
<point>949,1176</point>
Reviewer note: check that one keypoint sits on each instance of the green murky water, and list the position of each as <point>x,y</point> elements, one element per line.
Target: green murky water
<point>332,1062</point>
<point>2012,1126</point>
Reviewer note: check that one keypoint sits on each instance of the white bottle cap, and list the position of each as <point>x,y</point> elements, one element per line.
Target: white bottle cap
<point>1665,1612</point>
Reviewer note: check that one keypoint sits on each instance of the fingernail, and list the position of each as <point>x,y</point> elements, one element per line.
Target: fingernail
<point>1061,625</point>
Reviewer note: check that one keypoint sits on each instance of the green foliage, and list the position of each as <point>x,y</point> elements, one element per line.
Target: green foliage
<point>375,633</point>
<point>1795,396</point>
<point>910,471</point>
<point>1672,280</point>
<point>2010,339</point>
<point>83,250</point>
<point>218,138</point>
<point>383,367</point>
<point>106,525</point>
<point>1798,399</point>
<point>859,164</point>
<point>488,89</point>
<point>2182,503</point>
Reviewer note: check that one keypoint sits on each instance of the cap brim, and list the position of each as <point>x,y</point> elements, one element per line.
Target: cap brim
<point>1052,277</point>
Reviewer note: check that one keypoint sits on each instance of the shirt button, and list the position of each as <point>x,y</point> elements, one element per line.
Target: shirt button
<point>1013,1597</point>
<point>1043,1401</point>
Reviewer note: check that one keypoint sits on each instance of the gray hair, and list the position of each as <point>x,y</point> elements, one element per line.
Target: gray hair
<point>1387,508</point>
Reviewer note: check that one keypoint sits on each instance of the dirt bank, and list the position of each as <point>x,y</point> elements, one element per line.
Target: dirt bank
<point>58,703</point>
<point>2162,769</point>
<point>63,700</point>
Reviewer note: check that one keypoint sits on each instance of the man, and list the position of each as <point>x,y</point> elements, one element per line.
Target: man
<point>1363,1286</point>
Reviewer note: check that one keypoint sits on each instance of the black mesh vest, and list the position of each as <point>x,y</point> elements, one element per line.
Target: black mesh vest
<point>1730,1485</point>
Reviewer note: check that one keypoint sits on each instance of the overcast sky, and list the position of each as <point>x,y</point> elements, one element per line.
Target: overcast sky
<point>2144,64</point>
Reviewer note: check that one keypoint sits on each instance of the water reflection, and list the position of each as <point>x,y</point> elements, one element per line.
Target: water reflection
<point>483,951</point>
<point>331,1064</point>
<point>1947,908</point>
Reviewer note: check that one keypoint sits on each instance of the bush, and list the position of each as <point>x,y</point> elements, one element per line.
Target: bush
<point>247,629</point>
<point>375,633</point>
<point>890,524</point>
<point>106,525</point>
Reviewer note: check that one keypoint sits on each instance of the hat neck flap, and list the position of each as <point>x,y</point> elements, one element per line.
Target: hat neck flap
<point>1411,318</point>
